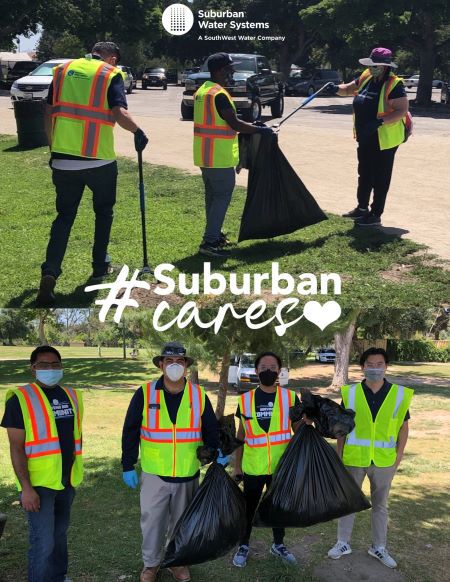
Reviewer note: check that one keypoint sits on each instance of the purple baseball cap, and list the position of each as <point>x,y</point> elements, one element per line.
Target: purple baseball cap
<point>379,56</point>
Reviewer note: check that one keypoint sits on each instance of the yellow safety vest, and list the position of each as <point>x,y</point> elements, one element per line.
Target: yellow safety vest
<point>82,119</point>
<point>263,450</point>
<point>42,446</point>
<point>374,441</point>
<point>170,450</point>
<point>215,142</point>
<point>390,135</point>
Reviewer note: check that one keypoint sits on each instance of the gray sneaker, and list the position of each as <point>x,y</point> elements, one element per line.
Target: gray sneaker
<point>240,557</point>
<point>382,554</point>
<point>339,549</point>
<point>280,551</point>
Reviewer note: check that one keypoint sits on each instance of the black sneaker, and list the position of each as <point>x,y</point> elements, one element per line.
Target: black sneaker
<point>224,241</point>
<point>101,274</point>
<point>356,213</point>
<point>46,296</point>
<point>369,220</point>
<point>213,250</point>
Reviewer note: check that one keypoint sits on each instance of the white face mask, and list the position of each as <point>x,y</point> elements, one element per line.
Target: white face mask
<point>174,372</point>
<point>49,377</point>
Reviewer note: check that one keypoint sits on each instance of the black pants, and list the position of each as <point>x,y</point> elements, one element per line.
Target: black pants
<point>253,488</point>
<point>70,185</point>
<point>374,173</point>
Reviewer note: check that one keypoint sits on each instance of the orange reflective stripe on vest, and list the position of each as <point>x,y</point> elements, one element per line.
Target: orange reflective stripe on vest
<point>94,115</point>
<point>43,442</point>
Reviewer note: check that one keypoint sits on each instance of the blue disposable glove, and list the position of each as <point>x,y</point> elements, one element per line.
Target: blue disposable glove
<point>222,459</point>
<point>333,89</point>
<point>130,478</point>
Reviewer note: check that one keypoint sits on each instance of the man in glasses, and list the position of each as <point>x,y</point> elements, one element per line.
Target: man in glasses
<point>85,100</point>
<point>265,426</point>
<point>380,107</point>
<point>44,424</point>
<point>374,448</point>
<point>168,419</point>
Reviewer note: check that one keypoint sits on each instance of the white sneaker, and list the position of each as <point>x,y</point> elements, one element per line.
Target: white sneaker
<point>280,551</point>
<point>339,549</point>
<point>241,556</point>
<point>382,554</point>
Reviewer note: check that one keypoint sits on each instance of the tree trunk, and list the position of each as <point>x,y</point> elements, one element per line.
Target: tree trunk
<point>193,376</point>
<point>342,345</point>
<point>223,383</point>
<point>427,53</point>
<point>42,337</point>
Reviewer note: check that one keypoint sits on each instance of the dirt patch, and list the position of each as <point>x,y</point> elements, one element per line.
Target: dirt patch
<point>357,567</point>
<point>399,274</point>
<point>146,298</point>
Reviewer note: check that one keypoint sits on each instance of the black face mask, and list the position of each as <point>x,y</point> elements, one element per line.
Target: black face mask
<point>268,377</point>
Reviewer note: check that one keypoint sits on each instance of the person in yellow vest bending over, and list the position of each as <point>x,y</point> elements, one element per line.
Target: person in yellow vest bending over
<point>380,107</point>
<point>374,448</point>
<point>85,100</point>
<point>44,424</point>
<point>216,148</point>
<point>169,419</point>
<point>265,426</point>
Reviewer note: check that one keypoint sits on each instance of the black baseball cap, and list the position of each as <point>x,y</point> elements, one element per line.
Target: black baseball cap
<point>218,61</point>
<point>173,349</point>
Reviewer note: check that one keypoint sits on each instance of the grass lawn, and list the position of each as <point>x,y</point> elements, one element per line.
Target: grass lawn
<point>175,208</point>
<point>105,536</point>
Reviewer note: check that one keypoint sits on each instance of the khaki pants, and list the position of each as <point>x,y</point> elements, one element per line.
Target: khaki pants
<point>162,505</point>
<point>380,479</point>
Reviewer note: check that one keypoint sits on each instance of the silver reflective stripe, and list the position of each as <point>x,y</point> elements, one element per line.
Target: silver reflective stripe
<point>96,98</point>
<point>77,447</point>
<point>259,440</point>
<point>152,411</point>
<point>391,444</point>
<point>90,131</point>
<point>42,448</point>
<point>280,438</point>
<point>207,153</point>
<point>214,131</point>
<point>209,99</point>
<point>84,113</point>
<point>399,399</point>
<point>285,407</point>
<point>189,435</point>
<point>154,435</point>
<point>352,440</point>
<point>39,413</point>
<point>73,395</point>
<point>247,400</point>
<point>352,397</point>
<point>196,405</point>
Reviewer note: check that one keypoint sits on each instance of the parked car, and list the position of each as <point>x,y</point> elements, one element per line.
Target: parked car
<point>129,79</point>
<point>36,84</point>
<point>183,75</point>
<point>172,76</point>
<point>242,373</point>
<point>413,81</point>
<point>294,77</point>
<point>308,81</point>
<point>17,71</point>
<point>445,92</point>
<point>326,355</point>
<point>154,77</point>
<point>254,86</point>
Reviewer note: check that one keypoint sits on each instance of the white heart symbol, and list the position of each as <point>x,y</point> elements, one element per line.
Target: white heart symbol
<point>322,315</point>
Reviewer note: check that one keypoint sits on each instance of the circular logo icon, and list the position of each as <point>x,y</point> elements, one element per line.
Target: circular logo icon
<point>55,402</point>
<point>270,404</point>
<point>70,73</point>
<point>177,19</point>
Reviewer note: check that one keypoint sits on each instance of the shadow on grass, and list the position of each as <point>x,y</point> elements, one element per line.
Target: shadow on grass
<point>76,297</point>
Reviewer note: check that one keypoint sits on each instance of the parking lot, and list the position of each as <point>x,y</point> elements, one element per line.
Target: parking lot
<point>319,144</point>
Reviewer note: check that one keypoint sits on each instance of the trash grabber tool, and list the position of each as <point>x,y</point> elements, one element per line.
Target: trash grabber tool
<point>145,269</point>
<point>305,102</point>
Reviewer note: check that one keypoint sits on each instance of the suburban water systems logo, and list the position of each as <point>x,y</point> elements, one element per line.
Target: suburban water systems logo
<point>177,19</point>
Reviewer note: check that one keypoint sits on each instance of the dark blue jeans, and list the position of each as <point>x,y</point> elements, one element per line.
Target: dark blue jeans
<point>70,185</point>
<point>47,554</point>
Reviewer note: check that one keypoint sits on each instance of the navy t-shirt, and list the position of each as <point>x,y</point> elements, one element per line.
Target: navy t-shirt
<point>365,104</point>
<point>264,402</point>
<point>64,418</point>
<point>222,103</point>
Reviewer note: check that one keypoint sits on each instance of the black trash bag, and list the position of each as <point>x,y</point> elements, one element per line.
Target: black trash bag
<point>212,524</point>
<point>206,454</point>
<point>227,435</point>
<point>330,418</point>
<point>277,200</point>
<point>310,485</point>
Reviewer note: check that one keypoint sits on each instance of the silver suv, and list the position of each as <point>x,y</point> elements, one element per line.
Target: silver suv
<point>129,79</point>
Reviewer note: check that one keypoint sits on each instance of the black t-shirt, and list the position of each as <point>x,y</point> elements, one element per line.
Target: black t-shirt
<point>376,399</point>
<point>64,418</point>
<point>116,98</point>
<point>365,104</point>
<point>131,433</point>
<point>264,402</point>
<point>222,103</point>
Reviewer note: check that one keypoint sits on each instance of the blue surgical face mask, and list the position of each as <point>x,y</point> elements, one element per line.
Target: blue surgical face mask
<point>374,374</point>
<point>49,377</point>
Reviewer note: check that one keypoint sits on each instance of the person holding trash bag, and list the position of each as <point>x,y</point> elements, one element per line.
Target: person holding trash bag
<point>44,424</point>
<point>374,448</point>
<point>380,109</point>
<point>85,100</point>
<point>216,149</point>
<point>266,427</point>
<point>172,421</point>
